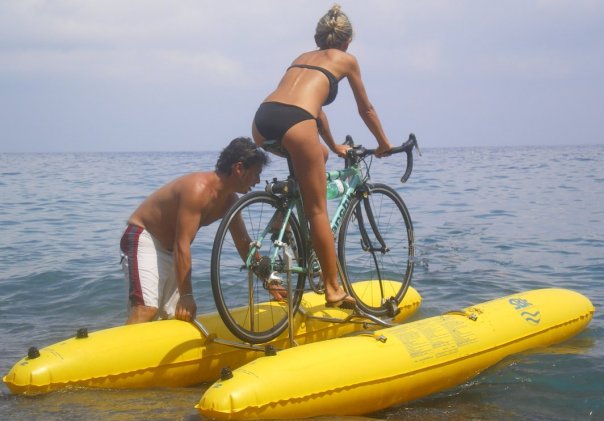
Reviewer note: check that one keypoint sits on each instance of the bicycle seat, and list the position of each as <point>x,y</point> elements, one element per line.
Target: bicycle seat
<point>274,146</point>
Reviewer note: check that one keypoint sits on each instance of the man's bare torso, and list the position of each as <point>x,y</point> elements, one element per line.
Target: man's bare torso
<point>195,199</point>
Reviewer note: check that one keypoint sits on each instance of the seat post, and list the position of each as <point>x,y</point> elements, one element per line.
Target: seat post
<point>290,166</point>
<point>275,147</point>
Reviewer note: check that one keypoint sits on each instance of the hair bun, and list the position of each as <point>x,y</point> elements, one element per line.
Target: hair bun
<point>334,29</point>
<point>334,11</point>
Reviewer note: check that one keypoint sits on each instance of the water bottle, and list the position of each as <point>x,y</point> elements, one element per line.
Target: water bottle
<point>335,189</point>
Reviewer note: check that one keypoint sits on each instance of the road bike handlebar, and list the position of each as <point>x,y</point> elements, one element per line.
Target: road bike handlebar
<point>358,152</point>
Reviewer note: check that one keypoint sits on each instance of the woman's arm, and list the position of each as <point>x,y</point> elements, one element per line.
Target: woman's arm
<point>365,108</point>
<point>325,133</point>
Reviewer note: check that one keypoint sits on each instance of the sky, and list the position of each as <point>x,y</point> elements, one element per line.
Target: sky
<point>186,75</point>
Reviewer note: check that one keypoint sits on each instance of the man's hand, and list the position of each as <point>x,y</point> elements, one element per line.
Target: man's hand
<point>278,292</point>
<point>186,308</point>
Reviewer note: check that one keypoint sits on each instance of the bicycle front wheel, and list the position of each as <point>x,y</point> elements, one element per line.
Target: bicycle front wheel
<point>243,300</point>
<point>376,248</point>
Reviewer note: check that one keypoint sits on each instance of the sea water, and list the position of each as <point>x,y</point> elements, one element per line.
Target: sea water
<point>488,222</point>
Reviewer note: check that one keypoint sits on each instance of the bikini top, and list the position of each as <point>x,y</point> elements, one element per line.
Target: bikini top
<point>333,81</point>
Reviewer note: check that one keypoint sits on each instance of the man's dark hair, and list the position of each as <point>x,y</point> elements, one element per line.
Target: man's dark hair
<point>241,149</point>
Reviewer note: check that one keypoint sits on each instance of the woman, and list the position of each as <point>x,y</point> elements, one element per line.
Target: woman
<point>293,115</point>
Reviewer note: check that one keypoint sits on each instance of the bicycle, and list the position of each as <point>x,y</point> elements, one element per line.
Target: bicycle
<point>375,243</point>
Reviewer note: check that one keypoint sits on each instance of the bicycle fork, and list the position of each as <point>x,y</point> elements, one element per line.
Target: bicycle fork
<point>366,243</point>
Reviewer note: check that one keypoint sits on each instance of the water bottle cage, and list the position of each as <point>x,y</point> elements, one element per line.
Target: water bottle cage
<point>336,188</point>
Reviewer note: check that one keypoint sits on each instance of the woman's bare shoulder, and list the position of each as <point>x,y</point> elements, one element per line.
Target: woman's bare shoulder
<point>305,57</point>
<point>343,63</point>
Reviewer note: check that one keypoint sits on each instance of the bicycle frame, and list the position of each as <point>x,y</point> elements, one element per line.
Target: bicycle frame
<point>294,203</point>
<point>374,260</point>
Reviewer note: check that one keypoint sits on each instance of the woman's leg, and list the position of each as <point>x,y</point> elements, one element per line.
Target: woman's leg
<point>258,138</point>
<point>308,158</point>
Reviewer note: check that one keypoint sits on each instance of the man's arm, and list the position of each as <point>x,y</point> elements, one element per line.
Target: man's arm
<point>240,237</point>
<point>188,219</point>
<point>239,233</point>
<point>242,242</point>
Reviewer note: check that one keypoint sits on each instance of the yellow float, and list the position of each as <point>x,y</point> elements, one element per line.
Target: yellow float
<point>167,353</point>
<point>368,372</point>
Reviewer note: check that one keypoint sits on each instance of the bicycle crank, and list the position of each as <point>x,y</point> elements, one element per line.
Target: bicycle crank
<point>392,307</point>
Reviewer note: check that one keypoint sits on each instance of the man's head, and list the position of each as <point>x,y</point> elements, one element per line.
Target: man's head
<point>243,150</point>
<point>242,161</point>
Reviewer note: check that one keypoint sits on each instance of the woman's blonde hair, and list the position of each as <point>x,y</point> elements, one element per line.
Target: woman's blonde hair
<point>334,29</point>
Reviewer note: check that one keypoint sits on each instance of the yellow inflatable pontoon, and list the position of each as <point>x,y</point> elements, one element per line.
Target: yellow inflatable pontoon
<point>167,353</point>
<point>368,372</point>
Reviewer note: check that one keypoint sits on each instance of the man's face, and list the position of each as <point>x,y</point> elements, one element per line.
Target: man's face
<point>248,177</point>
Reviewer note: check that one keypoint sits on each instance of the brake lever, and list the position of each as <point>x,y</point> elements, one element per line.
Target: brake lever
<point>415,143</point>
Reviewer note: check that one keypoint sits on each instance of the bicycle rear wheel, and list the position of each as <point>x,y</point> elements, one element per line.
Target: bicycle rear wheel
<point>376,244</point>
<point>243,300</point>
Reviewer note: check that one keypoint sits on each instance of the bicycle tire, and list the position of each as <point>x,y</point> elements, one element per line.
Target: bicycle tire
<point>251,313</point>
<point>392,268</point>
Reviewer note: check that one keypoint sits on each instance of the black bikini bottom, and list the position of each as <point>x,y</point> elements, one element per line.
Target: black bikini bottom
<point>274,119</point>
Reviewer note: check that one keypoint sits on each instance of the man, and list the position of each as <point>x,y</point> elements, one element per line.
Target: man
<point>156,246</point>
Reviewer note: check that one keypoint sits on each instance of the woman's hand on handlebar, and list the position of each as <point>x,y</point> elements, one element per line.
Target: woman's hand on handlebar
<point>383,150</point>
<point>341,150</point>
